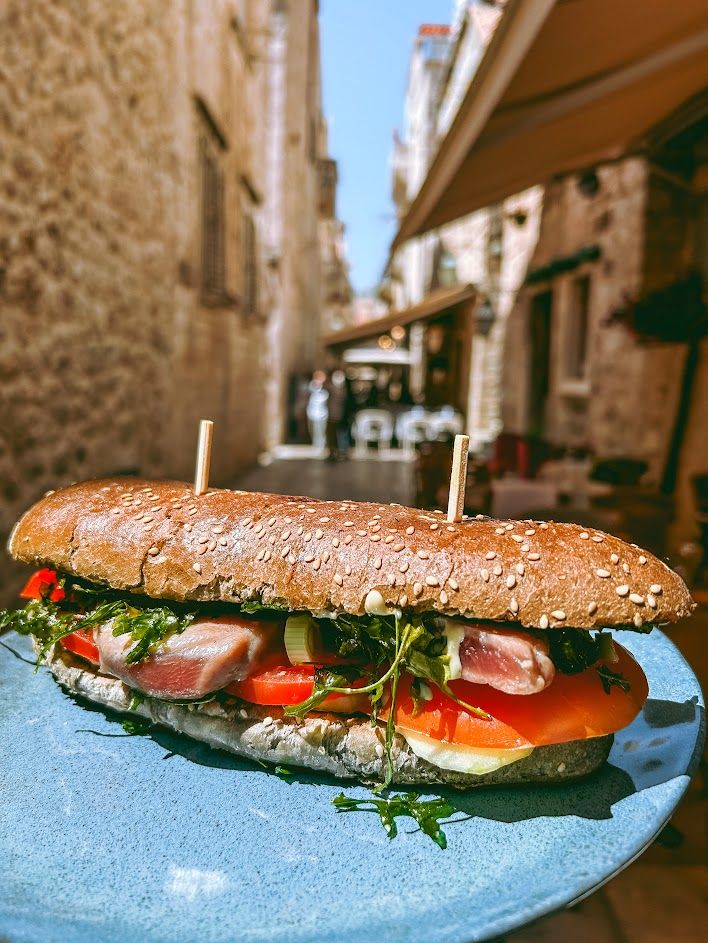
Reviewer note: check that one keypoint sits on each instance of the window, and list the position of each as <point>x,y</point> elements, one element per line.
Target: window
<point>250,265</point>
<point>213,282</point>
<point>576,340</point>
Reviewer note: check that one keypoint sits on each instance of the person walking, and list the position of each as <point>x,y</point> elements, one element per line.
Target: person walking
<point>317,409</point>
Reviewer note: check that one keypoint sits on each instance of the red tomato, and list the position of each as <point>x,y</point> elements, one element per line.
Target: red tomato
<point>572,707</point>
<point>39,585</point>
<point>82,643</point>
<point>290,684</point>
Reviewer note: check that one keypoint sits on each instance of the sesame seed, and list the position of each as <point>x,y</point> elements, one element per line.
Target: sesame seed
<point>197,567</point>
<point>597,538</point>
<point>403,600</point>
<point>543,621</point>
<point>513,605</point>
<point>499,530</point>
<point>525,548</point>
<point>603,574</point>
<point>292,559</point>
<point>625,568</point>
<point>543,526</point>
<point>285,551</point>
<point>285,534</point>
<point>592,608</point>
<point>191,511</point>
<point>520,569</point>
<point>497,571</point>
<point>403,567</point>
<point>651,600</point>
<point>310,511</point>
<point>417,589</point>
<point>347,570</point>
<point>219,529</point>
<point>188,528</point>
<point>534,556</point>
<point>115,510</point>
<point>397,548</point>
<point>509,526</point>
<point>485,575</point>
<point>444,598</point>
<point>211,545</point>
<point>349,523</point>
<point>423,554</point>
<point>324,520</point>
<point>307,536</point>
<point>202,540</point>
<point>490,556</point>
<point>510,581</point>
<point>614,558</point>
<point>201,550</point>
<point>656,589</point>
<point>317,564</point>
<point>637,599</point>
<point>139,517</point>
<point>388,540</point>
<point>450,528</point>
<point>335,542</point>
<point>348,539</point>
<point>410,530</point>
<point>338,579</point>
<point>153,551</point>
<point>433,526</point>
<point>376,528</point>
<point>453,584</point>
<point>287,520</point>
<point>361,533</point>
<point>309,557</point>
<point>642,560</point>
<point>319,534</point>
<point>584,535</point>
<point>432,580</point>
<point>325,556</point>
<point>559,615</point>
<point>622,590</point>
<point>375,537</point>
<point>378,563</point>
<point>267,721</point>
<point>530,532</point>
<point>518,538</point>
<point>390,579</point>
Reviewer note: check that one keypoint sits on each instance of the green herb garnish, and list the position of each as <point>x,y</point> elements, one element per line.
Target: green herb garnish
<point>428,814</point>
<point>612,679</point>
<point>135,728</point>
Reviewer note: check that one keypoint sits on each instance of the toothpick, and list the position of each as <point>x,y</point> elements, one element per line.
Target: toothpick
<point>458,479</point>
<point>201,474</point>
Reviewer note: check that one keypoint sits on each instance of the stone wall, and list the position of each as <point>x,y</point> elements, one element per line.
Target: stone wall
<point>108,357</point>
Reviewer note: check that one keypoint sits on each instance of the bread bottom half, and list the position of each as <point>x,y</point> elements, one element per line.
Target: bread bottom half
<point>341,746</point>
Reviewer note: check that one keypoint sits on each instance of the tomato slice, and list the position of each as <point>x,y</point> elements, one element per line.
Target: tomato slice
<point>82,643</point>
<point>41,584</point>
<point>572,707</point>
<point>282,685</point>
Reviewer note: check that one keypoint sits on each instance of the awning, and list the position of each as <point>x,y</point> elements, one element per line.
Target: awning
<point>563,85</point>
<point>435,303</point>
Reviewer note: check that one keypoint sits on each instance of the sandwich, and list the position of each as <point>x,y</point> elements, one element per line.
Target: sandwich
<point>367,641</point>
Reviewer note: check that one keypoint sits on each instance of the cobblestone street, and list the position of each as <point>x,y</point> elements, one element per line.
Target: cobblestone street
<point>360,481</point>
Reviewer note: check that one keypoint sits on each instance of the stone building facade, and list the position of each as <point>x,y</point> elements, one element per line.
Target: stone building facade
<point>159,257</point>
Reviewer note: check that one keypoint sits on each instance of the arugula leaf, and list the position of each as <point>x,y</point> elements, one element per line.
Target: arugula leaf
<point>426,813</point>
<point>255,605</point>
<point>135,727</point>
<point>612,679</point>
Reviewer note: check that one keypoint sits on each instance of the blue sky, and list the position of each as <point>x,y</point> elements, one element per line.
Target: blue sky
<point>365,49</point>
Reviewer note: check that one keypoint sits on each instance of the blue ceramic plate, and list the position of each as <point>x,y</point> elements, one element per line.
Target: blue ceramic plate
<point>143,839</point>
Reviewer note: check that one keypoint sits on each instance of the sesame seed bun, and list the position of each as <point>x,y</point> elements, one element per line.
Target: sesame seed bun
<point>159,539</point>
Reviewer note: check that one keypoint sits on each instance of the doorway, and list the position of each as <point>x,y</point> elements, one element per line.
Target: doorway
<point>540,361</point>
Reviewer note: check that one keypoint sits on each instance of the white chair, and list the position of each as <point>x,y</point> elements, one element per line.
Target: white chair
<point>371,425</point>
<point>412,428</point>
<point>445,419</point>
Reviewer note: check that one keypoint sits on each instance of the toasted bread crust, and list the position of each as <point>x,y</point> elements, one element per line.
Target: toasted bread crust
<point>159,539</point>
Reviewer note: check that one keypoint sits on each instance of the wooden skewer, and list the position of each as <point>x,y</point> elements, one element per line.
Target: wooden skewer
<point>458,479</point>
<point>201,474</point>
